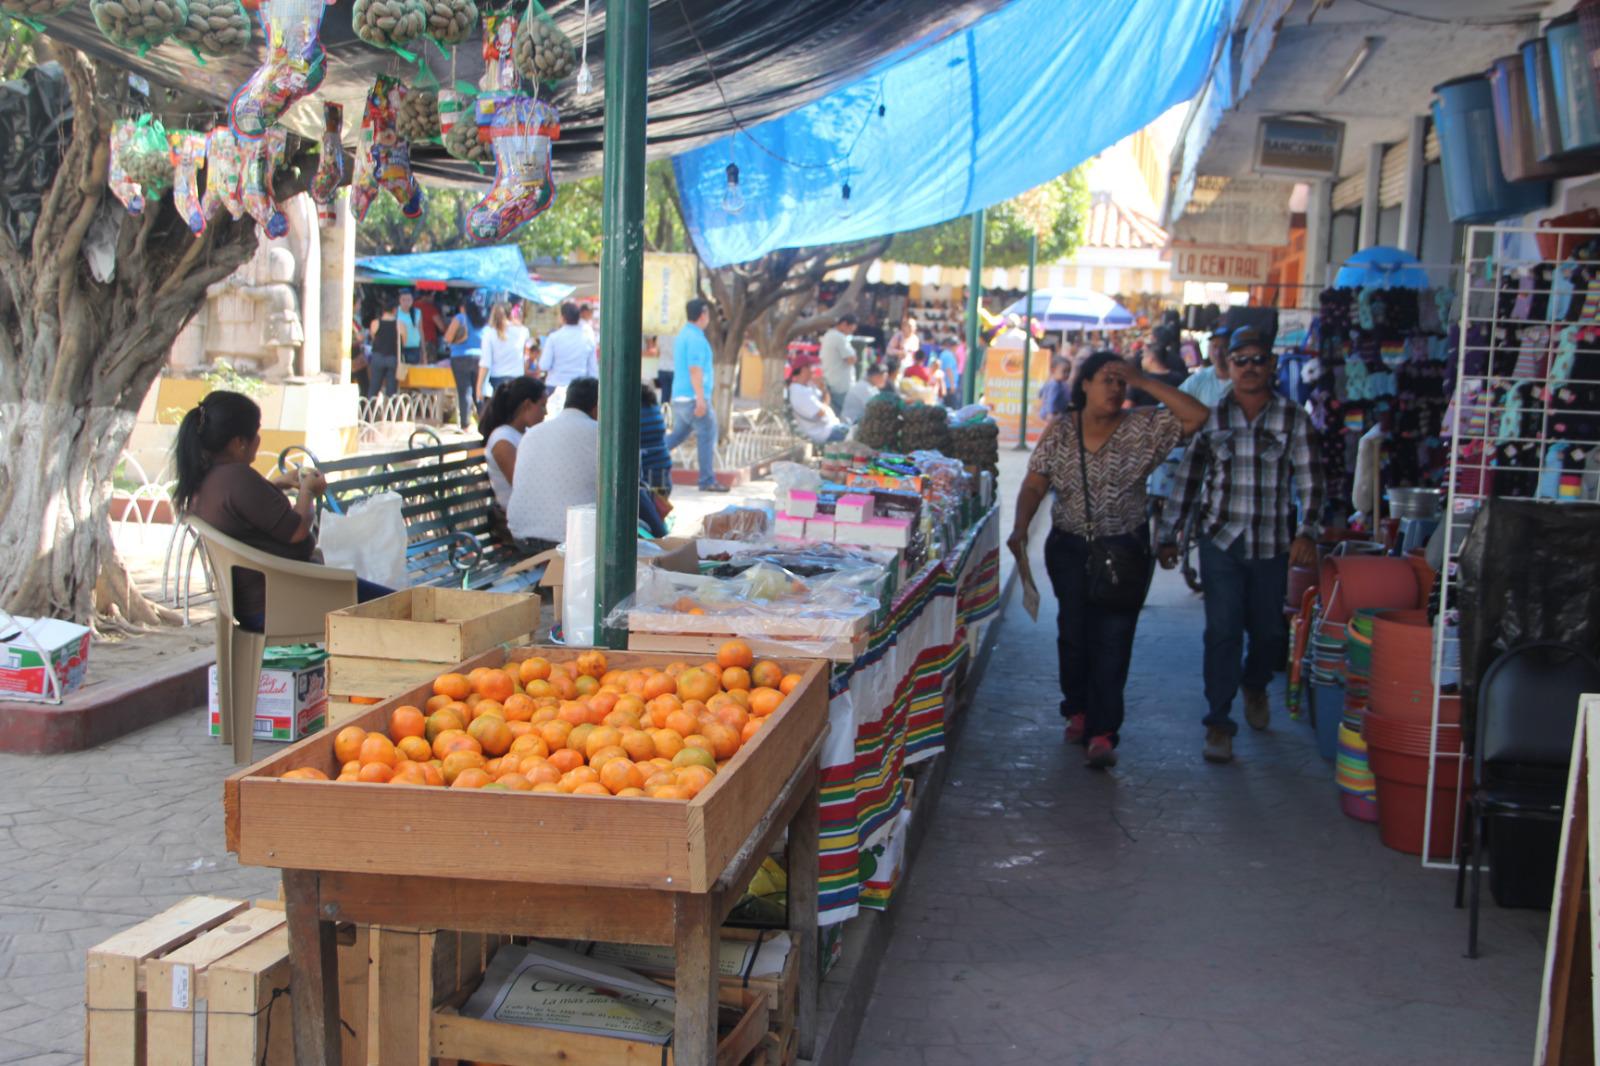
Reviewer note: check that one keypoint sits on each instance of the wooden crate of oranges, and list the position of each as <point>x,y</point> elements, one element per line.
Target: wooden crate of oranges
<point>551,792</point>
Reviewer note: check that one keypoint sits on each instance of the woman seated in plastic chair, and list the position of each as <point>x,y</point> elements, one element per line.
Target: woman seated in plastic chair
<point>217,441</point>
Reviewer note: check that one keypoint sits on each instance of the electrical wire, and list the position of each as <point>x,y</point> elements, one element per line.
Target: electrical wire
<point>875,109</point>
<point>1386,9</point>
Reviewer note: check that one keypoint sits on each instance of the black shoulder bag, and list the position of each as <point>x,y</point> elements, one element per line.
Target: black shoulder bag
<point>1117,569</point>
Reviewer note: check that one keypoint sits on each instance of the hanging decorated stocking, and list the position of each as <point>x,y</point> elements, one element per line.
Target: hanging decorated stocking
<point>330,168</point>
<point>224,174</point>
<point>523,185</point>
<point>260,160</point>
<point>383,160</point>
<point>188,155</point>
<point>293,68</point>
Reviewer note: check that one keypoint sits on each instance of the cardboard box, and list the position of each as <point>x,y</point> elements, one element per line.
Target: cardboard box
<point>28,644</point>
<point>819,529</point>
<point>292,700</point>
<point>791,526</point>
<point>801,503</point>
<point>854,508</point>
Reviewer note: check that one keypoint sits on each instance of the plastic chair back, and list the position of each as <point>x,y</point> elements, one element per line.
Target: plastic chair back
<point>1527,705</point>
<point>298,595</point>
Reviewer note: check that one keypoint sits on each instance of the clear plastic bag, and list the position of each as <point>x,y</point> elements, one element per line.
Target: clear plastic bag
<point>451,22</point>
<point>417,118</point>
<point>790,476</point>
<point>293,68</point>
<point>383,158</point>
<point>216,27</point>
<point>261,159</point>
<point>139,25</point>
<point>524,186</point>
<point>541,51</point>
<point>187,152</point>
<point>140,163</point>
<point>466,137</point>
<point>224,174</point>
<point>330,164</point>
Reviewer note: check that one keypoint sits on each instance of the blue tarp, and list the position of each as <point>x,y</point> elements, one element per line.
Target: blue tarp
<point>1026,94</point>
<point>500,268</point>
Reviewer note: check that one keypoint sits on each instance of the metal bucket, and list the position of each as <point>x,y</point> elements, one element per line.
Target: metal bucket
<point>1414,503</point>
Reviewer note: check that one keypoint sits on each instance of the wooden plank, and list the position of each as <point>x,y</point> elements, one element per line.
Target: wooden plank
<point>248,1010</point>
<point>113,982</point>
<point>350,675</point>
<point>174,983</point>
<point>422,624</point>
<point>555,911</point>
<point>1564,1033</point>
<point>314,973</point>
<point>694,1037</point>
<point>404,995</point>
<point>355,965</point>
<point>803,870</point>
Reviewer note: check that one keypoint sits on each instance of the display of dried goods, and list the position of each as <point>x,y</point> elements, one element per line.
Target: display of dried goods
<point>880,426</point>
<point>451,21</point>
<point>924,428</point>
<point>139,25</point>
<point>463,140</point>
<point>215,27</point>
<point>417,118</point>
<point>389,23</point>
<point>541,51</point>
<point>34,8</point>
<point>977,444</point>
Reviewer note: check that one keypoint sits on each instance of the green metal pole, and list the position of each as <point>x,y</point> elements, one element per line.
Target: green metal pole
<point>1027,343</point>
<point>621,308</point>
<point>969,381</point>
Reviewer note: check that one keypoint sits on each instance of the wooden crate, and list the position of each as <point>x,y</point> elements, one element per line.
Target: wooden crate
<point>473,835</point>
<point>478,1040</point>
<point>780,990</point>
<point>414,971</point>
<point>434,625</point>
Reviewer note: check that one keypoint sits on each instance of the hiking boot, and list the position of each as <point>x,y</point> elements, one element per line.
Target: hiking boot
<point>1257,708</point>
<point>1075,729</point>
<point>1101,755</point>
<point>1219,746</point>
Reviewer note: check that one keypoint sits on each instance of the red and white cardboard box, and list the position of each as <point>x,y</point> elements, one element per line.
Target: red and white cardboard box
<point>290,704</point>
<point>27,644</point>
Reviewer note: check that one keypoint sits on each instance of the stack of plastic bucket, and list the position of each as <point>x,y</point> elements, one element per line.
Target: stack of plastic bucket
<point>1357,792</point>
<point>1325,655</point>
<point>1475,188</point>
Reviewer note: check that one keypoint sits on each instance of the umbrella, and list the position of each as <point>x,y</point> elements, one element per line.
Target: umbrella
<point>1383,267</point>
<point>1062,309</point>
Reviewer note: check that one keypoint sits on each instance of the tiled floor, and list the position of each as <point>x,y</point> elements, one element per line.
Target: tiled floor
<point>1173,912</point>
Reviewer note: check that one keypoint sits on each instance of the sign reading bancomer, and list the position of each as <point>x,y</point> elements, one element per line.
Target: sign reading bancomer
<point>1233,266</point>
<point>1299,147</point>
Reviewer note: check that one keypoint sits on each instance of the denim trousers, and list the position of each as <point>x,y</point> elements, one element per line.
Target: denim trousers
<point>1242,596</point>
<point>381,375</point>
<point>1094,646</point>
<point>704,429</point>
<point>464,368</point>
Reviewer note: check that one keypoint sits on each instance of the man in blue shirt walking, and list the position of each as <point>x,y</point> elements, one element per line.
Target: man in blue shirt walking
<point>692,382</point>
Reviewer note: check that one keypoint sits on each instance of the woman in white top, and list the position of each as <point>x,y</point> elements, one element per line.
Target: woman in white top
<point>515,408</point>
<point>503,344</point>
<point>812,417</point>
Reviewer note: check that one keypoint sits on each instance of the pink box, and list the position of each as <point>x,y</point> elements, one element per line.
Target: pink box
<point>853,508</point>
<point>802,504</point>
<point>820,529</point>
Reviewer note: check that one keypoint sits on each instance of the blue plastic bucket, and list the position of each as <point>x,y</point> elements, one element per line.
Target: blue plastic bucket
<point>1327,707</point>
<point>1577,98</point>
<point>1475,189</point>
<point>1542,105</point>
<point>1515,130</point>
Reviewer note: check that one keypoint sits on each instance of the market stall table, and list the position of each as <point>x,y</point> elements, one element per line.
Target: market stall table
<point>427,858</point>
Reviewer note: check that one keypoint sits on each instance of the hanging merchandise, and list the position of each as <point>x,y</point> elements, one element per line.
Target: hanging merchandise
<point>521,130</point>
<point>34,9</point>
<point>383,159</point>
<point>453,106</point>
<point>188,154</point>
<point>293,68</point>
<point>216,27</point>
<point>330,167</point>
<point>140,167</point>
<point>451,21</point>
<point>417,118</point>
<point>139,25</point>
<point>224,174</point>
<point>466,139</point>
<point>261,159</point>
<point>389,23</point>
<point>541,51</point>
<point>499,46</point>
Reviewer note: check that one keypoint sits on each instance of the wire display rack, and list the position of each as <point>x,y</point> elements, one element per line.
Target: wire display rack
<point>1523,419</point>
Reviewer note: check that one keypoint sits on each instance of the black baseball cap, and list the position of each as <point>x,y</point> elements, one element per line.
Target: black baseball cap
<point>1246,337</point>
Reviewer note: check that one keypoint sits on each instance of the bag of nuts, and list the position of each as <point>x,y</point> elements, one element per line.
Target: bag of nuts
<point>451,21</point>
<point>417,118</point>
<point>465,140</point>
<point>139,25</point>
<point>541,51</point>
<point>216,27</point>
<point>389,23</point>
<point>34,9</point>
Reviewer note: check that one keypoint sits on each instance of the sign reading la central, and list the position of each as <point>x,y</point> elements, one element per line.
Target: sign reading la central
<point>1217,263</point>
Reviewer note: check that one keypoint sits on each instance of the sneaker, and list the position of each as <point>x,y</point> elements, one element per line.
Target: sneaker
<point>1075,729</point>
<point>715,486</point>
<point>1101,755</point>
<point>1257,708</point>
<point>1219,746</point>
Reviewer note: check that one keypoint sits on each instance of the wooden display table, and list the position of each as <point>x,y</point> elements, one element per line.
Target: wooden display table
<point>537,864</point>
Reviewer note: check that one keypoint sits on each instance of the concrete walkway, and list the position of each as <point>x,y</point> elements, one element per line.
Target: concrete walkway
<point>1173,912</point>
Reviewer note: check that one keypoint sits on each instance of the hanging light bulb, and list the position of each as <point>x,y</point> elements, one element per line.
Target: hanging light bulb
<point>844,208</point>
<point>732,198</point>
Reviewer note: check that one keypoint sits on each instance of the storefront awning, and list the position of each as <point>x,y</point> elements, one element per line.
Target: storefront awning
<point>500,268</point>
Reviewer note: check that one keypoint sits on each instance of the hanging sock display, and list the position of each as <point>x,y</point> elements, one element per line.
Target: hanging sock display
<point>261,158</point>
<point>521,132</point>
<point>383,159</point>
<point>141,168</point>
<point>330,167</point>
<point>188,154</point>
<point>293,69</point>
<point>224,174</point>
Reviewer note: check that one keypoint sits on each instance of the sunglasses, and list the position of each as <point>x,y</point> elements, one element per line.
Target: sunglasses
<point>1249,360</point>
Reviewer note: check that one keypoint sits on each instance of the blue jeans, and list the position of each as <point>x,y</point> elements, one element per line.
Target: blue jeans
<point>465,370</point>
<point>381,375</point>
<point>1243,596</point>
<point>1094,646</point>
<point>704,429</point>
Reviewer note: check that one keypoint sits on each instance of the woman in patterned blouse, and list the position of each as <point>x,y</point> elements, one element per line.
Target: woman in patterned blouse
<point>1119,449</point>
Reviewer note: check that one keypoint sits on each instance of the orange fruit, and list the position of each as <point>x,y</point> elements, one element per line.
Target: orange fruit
<point>441,721</point>
<point>409,773</point>
<point>530,745</point>
<point>458,761</point>
<point>305,773</point>
<point>416,749</point>
<point>695,756</point>
<point>376,773</point>
<point>377,748</point>
<point>630,704</point>
<point>657,684</point>
<point>603,702</point>
<point>638,744</point>
<point>555,733</point>
<point>463,742</point>
<point>573,711</point>
<point>750,729</point>
<point>347,743</point>
<point>693,779</point>
<point>351,767</point>
<point>471,777</point>
<point>534,669</point>
<point>668,742</point>
<point>586,686</point>
<point>682,722</point>
<point>488,707</point>
<point>545,713</point>
<point>539,689</point>
<point>406,722</point>
<point>735,653</point>
<point>520,708</point>
<point>493,767</point>
<point>453,685</point>
<point>789,683</point>
<point>540,771</point>
<point>591,788</point>
<point>520,729</point>
<point>667,792</point>
<point>763,701</point>
<point>566,760</point>
<point>697,684</point>
<point>435,702</point>
<point>622,721</point>
<point>619,774</point>
<point>578,739</point>
<point>604,755</point>
<point>476,676</point>
<point>724,739</point>
<point>492,732</point>
<point>766,674</point>
<point>582,775</point>
<point>562,687</point>
<point>630,792</point>
<point>515,782</point>
<point>731,715</point>
<point>494,685</point>
<point>592,663</point>
<point>602,736</point>
<point>698,740</point>
<point>735,677</point>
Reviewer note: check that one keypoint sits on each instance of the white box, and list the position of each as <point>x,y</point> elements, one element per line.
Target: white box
<point>788,525</point>
<point>820,529</point>
<point>291,702</point>
<point>27,644</point>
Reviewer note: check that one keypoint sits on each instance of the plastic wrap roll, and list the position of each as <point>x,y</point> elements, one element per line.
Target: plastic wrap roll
<point>582,547</point>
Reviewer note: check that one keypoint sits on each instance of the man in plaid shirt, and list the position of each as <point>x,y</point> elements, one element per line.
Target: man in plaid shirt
<point>1242,471</point>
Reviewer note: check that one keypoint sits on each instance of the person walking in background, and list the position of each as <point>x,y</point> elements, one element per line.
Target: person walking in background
<point>409,322</point>
<point>839,360</point>
<point>862,392</point>
<point>501,345</point>
<point>360,356</point>
<point>904,343</point>
<point>655,461</point>
<point>433,325</point>
<point>463,338</point>
<point>1055,395</point>
<point>567,355</point>
<point>1241,473</point>
<point>951,369</point>
<point>1210,383</point>
<point>1095,460</point>
<point>693,379</point>
<point>558,466</point>
<point>384,358</point>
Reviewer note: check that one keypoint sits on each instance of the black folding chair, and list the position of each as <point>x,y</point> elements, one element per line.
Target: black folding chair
<point>1527,710</point>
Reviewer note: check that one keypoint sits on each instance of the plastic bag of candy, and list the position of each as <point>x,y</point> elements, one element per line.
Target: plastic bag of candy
<point>330,166</point>
<point>261,159</point>
<point>224,174</point>
<point>187,153</point>
<point>140,167</point>
<point>293,68</point>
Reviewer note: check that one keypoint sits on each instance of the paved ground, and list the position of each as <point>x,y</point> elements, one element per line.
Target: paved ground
<point>1171,912</point>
